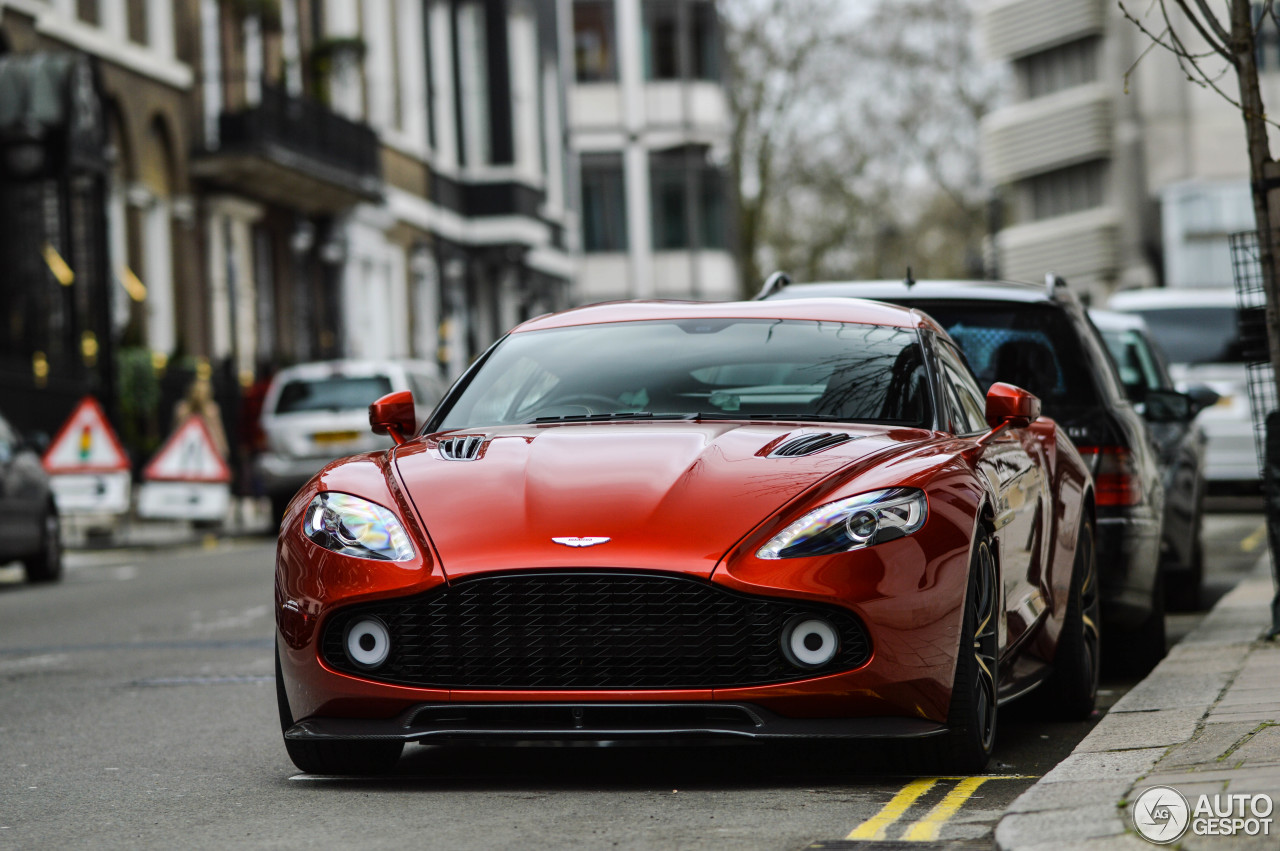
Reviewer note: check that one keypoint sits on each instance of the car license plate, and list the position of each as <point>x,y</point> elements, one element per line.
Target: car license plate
<point>327,438</point>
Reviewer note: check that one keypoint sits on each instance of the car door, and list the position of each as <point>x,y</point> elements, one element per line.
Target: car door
<point>1012,464</point>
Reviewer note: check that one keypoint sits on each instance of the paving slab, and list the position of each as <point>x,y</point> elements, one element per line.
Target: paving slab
<point>1210,744</point>
<point>1133,730</point>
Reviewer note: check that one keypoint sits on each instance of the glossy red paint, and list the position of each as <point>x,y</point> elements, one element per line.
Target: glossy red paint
<point>393,414</point>
<point>1009,404</point>
<point>701,499</point>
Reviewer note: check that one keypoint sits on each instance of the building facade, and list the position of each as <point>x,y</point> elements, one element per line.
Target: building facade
<point>1109,166</point>
<point>1065,153</point>
<point>649,124</point>
<point>277,182</point>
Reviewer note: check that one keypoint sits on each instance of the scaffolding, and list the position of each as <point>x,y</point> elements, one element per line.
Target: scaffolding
<point>1251,299</point>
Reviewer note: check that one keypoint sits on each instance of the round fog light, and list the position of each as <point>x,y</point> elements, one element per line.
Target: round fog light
<point>368,642</point>
<point>810,642</point>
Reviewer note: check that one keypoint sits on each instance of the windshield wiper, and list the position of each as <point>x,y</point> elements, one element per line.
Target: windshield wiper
<point>620,415</point>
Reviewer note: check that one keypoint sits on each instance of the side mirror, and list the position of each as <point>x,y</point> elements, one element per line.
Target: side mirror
<point>1167,406</point>
<point>1011,406</point>
<point>1202,397</point>
<point>393,415</point>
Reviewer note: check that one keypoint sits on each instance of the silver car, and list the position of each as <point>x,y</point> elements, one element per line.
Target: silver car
<point>316,412</point>
<point>1197,330</point>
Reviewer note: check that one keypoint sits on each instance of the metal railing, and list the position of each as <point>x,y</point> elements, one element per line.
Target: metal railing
<point>306,128</point>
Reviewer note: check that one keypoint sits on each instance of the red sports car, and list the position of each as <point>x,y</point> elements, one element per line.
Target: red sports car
<point>763,519</point>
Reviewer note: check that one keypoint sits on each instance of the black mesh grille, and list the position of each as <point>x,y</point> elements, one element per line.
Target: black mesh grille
<point>589,630</point>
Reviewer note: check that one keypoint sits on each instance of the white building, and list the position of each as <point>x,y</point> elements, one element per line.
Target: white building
<point>1113,181</point>
<point>649,123</point>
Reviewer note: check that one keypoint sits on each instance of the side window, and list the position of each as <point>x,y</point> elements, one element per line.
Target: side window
<point>966,403</point>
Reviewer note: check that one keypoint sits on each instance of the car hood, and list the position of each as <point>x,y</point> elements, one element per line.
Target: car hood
<point>668,496</point>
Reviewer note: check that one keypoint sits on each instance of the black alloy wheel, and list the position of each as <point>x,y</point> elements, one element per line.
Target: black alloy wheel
<point>971,720</point>
<point>1072,688</point>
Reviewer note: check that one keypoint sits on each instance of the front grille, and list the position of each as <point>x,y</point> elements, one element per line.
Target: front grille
<point>589,630</point>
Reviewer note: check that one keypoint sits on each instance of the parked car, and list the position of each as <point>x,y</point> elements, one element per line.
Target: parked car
<point>1198,329</point>
<point>1040,338</point>
<point>751,520</point>
<point>1180,442</point>
<point>30,529</point>
<point>315,412</point>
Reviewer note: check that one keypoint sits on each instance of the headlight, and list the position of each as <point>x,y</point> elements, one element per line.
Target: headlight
<point>851,524</point>
<point>356,527</point>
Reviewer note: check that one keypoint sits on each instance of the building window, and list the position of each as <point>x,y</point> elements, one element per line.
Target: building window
<point>681,40</point>
<point>688,201</point>
<point>1061,67</point>
<point>593,41</point>
<point>604,204</point>
<point>1067,190</point>
<point>1266,38</point>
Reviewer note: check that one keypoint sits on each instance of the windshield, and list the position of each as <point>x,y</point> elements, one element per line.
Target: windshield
<point>1195,334</point>
<point>1134,359</point>
<point>710,368</point>
<point>333,393</point>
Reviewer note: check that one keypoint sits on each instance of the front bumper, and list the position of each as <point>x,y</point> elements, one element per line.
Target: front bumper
<point>597,722</point>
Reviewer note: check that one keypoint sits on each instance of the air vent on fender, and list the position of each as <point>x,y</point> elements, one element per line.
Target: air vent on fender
<point>465,448</point>
<point>807,444</point>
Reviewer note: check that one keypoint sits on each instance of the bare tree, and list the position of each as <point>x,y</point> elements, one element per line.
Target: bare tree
<point>854,147</point>
<point>1208,41</point>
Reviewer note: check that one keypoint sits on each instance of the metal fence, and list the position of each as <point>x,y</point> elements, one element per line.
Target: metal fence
<point>1251,298</point>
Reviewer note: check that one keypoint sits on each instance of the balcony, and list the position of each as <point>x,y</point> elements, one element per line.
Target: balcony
<point>297,153</point>
<point>1013,29</point>
<point>1082,247</point>
<point>1048,133</point>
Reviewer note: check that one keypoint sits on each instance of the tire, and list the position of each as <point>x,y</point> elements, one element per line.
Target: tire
<point>1072,689</point>
<point>1182,587</point>
<point>358,757</point>
<point>971,720</point>
<point>46,565</point>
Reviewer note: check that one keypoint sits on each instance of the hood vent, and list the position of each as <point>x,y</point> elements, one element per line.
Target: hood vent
<point>465,448</point>
<point>807,444</point>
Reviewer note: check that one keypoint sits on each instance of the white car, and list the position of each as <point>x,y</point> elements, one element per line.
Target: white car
<point>1197,329</point>
<point>316,412</point>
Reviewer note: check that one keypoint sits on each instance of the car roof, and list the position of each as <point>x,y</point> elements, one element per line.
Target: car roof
<point>853,310</point>
<point>355,368</point>
<point>1172,297</point>
<point>1110,320</point>
<point>889,289</point>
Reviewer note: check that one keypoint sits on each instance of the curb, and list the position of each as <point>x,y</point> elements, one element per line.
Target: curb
<point>1081,802</point>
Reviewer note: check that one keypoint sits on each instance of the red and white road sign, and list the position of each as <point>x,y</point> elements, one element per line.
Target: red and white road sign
<point>188,455</point>
<point>86,443</point>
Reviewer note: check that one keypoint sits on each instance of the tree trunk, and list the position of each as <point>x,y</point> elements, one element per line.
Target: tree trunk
<point>1243,49</point>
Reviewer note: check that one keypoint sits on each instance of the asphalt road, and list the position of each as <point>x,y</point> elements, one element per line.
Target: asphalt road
<point>137,711</point>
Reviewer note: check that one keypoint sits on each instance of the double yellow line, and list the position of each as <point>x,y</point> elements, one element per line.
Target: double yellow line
<point>927,828</point>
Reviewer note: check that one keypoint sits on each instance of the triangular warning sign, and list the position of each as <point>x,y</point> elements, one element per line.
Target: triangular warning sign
<point>188,456</point>
<point>86,443</point>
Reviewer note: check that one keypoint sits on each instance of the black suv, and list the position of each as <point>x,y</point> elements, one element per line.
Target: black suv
<point>1041,339</point>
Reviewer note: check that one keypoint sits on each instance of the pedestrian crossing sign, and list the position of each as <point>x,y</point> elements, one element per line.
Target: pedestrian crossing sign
<point>86,443</point>
<point>188,456</point>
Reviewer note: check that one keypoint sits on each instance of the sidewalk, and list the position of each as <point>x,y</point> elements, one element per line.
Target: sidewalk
<point>1205,721</point>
